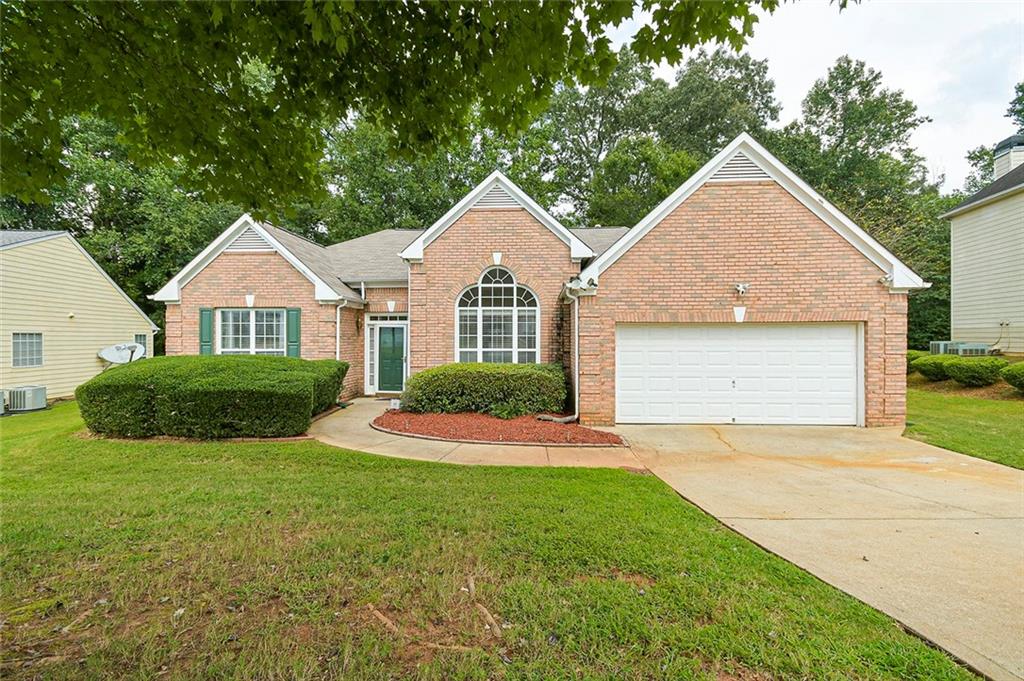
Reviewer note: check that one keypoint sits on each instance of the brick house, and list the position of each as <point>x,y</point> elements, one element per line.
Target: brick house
<point>744,297</point>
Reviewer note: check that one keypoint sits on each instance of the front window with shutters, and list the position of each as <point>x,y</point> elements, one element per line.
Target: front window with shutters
<point>251,332</point>
<point>497,321</point>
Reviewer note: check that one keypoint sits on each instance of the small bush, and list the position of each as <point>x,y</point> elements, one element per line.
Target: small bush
<point>210,397</point>
<point>912,356</point>
<point>933,367</point>
<point>1014,375</point>
<point>975,371</point>
<point>503,390</point>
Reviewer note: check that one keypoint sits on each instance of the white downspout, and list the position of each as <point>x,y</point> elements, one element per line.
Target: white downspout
<point>337,329</point>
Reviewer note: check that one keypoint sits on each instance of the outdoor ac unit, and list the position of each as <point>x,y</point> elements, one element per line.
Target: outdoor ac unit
<point>969,349</point>
<point>27,398</point>
<point>3,401</point>
<point>938,347</point>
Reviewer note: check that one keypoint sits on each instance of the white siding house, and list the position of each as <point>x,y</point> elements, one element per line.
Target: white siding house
<point>987,257</point>
<point>58,308</point>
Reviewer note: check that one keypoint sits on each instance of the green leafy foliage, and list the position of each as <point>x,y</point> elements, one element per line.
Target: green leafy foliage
<point>975,372</point>
<point>933,367</point>
<point>912,356</point>
<point>241,92</point>
<point>1014,375</point>
<point>210,397</point>
<point>502,390</point>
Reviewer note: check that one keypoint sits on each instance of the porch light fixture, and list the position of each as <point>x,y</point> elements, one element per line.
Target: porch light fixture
<point>741,289</point>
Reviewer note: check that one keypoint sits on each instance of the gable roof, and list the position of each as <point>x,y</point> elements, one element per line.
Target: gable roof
<point>17,237</point>
<point>310,259</point>
<point>12,238</point>
<point>756,159</point>
<point>497,191</point>
<point>599,239</point>
<point>1010,183</point>
<point>373,257</point>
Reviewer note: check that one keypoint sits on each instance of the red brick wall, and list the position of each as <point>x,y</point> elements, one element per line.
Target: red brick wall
<point>377,300</point>
<point>275,283</point>
<point>455,260</point>
<point>799,269</point>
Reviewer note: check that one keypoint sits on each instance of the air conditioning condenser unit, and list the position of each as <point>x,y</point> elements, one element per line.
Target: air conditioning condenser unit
<point>26,398</point>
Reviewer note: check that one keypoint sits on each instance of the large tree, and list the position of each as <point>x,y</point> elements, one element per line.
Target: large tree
<point>239,93</point>
<point>716,96</point>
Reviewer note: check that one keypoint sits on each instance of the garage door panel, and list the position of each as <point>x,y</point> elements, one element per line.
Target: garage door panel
<point>737,373</point>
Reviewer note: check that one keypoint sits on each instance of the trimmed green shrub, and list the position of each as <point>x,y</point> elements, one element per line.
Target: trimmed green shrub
<point>913,355</point>
<point>503,390</point>
<point>933,367</point>
<point>210,397</point>
<point>975,371</point>
<point>1014,375</point>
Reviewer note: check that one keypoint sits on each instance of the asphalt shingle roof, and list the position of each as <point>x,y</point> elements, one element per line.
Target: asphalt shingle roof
<point>9,237</point>
<point>315,257</point>
<point>1011,180</point>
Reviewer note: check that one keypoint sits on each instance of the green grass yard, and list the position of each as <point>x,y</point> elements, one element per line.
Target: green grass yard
<point>990,429</point>
<point>258,561</point>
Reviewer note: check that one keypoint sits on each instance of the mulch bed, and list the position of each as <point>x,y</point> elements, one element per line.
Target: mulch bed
<point>1000,390</point>
<point>485,428</point>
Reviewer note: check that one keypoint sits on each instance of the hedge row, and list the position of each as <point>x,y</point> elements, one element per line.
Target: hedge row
<point>968,371</point>
<point>210,397</point>
<point>1014,375</point>
<point>504,390</point>
<point>933,367</point>
<point>912,356</point>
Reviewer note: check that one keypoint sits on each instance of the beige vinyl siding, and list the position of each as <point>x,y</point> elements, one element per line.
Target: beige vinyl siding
<point>41,284</point>
<point>987,268</point>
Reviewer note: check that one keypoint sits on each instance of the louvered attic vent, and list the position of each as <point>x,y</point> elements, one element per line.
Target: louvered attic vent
<point>249,240</point>
<point>739,167</point>
<point>496,197</point>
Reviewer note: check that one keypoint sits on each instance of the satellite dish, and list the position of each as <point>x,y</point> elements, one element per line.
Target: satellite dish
<point>122,353</point>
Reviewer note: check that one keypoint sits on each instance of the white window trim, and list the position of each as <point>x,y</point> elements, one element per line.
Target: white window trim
<point>371,340</point>
<point>515,320</point>
<point>42,350</point>
<point>252,330</point>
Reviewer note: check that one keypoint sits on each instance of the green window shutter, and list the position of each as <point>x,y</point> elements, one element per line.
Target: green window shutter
<point>205,331</point>
<point>294,331</point>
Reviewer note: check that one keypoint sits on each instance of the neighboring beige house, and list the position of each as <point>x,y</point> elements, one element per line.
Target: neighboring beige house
<point>987,257</point>
<point>58,308</point>
<point>744,297</point>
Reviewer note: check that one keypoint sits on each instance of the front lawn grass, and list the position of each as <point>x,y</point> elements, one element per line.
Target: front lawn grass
<point>258,561</point>
<point>990,429</point>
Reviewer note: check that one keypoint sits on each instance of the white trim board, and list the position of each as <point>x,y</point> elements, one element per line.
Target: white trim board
<point>171,291</point>
<point>577,249</point>
<point>899,276</point>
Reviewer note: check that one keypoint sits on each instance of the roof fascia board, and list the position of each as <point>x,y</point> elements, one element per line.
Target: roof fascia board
<point>113,283</point>
<point>902,276</point>
<point>983,202</point>
<point>171,291</point>
<point>578,250</point>
<point>37,240</point>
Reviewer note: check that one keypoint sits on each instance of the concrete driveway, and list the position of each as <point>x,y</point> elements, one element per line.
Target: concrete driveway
<point>933,538</point>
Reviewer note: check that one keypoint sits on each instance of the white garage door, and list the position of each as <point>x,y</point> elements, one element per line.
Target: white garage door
<point>737,373</point>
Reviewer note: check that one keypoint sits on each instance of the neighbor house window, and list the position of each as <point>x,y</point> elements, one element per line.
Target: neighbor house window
<point>251,332</point>
<point>26,350</point>
<point>498,321</point>
<point>141,338</point>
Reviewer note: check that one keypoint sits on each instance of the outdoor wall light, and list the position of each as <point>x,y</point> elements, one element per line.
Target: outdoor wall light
<point>741,289</point>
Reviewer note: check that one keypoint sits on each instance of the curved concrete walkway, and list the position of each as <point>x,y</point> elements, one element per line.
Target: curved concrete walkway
<point>350,428</point>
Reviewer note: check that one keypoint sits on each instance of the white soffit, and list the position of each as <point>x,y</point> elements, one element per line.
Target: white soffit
<point>901,277</point>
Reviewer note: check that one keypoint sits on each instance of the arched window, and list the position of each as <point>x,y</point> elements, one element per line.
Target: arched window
<point>498,321</point>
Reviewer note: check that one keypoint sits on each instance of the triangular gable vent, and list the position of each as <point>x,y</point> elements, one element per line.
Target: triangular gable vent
<point>739,167</point>
<point>249,240</point>
<point>496,197</point>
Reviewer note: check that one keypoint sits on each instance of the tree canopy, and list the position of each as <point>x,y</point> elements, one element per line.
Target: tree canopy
<point>241,93</point>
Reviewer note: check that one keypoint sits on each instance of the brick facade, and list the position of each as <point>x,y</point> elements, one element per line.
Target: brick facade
<point>683,271</point>
<point>273,282</point>
<point>455,260</point>
<point>800,270</point>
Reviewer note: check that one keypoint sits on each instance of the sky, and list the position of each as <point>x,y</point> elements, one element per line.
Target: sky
<point>957,60</point>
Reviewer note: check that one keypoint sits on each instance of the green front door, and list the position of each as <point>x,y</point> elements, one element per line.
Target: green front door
<point>390,358</point>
